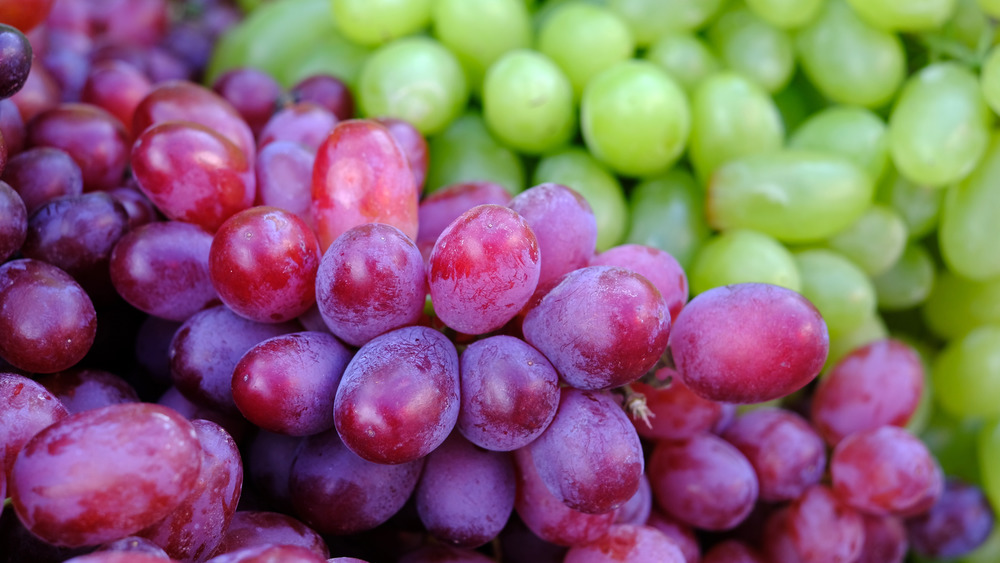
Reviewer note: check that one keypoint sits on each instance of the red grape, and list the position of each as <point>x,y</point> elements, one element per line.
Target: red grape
<point>86,389</point>
<point>305,123</point>
<point>94,138</point>
<point>823,530</point>
<point>656,265</point>
<point>13,221</point>
<point>676,413</point>
<point>327,91</point>
<point>26,407</point>
<point>885,540</point>
<point>252,92</point>
<point>441,208</point>
<point>255,528</point>
<point>413,144</point>
<point>625,542</point>
<point>42,174</point>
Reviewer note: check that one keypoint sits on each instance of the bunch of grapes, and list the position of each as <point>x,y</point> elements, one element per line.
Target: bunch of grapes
<point>591,281</point>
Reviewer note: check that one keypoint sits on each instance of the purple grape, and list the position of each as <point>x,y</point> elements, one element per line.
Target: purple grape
<point>26,407</point>
<point>13,221</point>
<point>118,557</point>
<point>465,494</point>
<point>284,178</point>
<point>625,542</point>
<point>326,90</point>
<point>441,208</point>
<point>15,61</point>
<point>252,92</point>
<point>732,551</point>
<point>86,389</point>
<point>680,533</point>
<point>885,540</point>
<point>306,124</point>
<point>959,522</point>
<point>94,138</point>
<point>637,509</point>
<point>269,553</point>
<point>822,529</point>
<point>135,544</point>
<point>658,266</point>
<point>590,456</point>
<point>254,528</point>
<point>601,327</point>
<point>444,554</point>
<point>398,399</point>
<point>336,492</point>
<point>42,174</point>
<point>509,394</point>
<point>676,412</point>
<point>269,462</point>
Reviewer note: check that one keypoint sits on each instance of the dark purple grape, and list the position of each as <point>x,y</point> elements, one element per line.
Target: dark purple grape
<point>255,528</point>
<point>518,543</point>
<point>327,91</point>
<point>15,60</point>
<point>13,221</point>
<point>85,389</point>
<point>732,551</point>
<point>26,407</point>
<point>11,127</point>
<point>959,522</point>
<point>268,463</point>
<point>42,174</point>
<point>444,554</point>
<point>270,553</point>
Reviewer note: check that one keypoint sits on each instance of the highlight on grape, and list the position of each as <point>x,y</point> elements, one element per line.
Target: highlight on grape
<point>581,281</point>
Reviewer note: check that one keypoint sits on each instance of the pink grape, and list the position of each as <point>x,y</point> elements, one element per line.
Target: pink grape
<point>658,266</point>
<point>284,178</point>
<point>253,528</point>
<point>822,529</point>
<point>625,542</point>
<point>306,124</point>
<point>94,138</point>
<point>680,533</point>
<point>85,389</point>
<point>26,407</point>
<point>677,412</point>
<point>885,540</point>
<point>441,208</point>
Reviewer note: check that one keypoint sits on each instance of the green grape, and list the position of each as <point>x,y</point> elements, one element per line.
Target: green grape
<point>416,79</point>
<point>851,131</point>
<point>528,102</point>
<point>991,7</point>
<point>908,282</point>
<point>798,101</point>
<point>874,242</point>
<point>793,195</point>
<point>786,14</point>
<point>480,32</point>
<point>375,22</point>
<point>331,54</point>
<point>904,15</point>
<point>966,374</point>
<point>921,417</point>
<point>741,256</point>
<point>754,48</point>
<point>939,126</point>
<point>967,26</point>
<point>989,79</point>
<point>970,224</point>
<point>575,168</point>
<point>919,206</point>
<point>635,139</point>
<point>850,61</point>
<point>840,290</point>
<point>467,152</point>
<point>957,305</point>
<point>685,57</point>
<point>584,39</point>
<point>731,117</point>
<point>668,212</point>
<point>872,328</point>
<point>988,444</point>
<point>953,441</point>
<point>651,19</point>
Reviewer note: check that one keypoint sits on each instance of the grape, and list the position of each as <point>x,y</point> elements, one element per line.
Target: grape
<point>479,34</point>
<point>821,528</point>
<point>133,545</point>
<point>137,206</point>
<point>509,393</point>
<point>731,117</point>
<point>703,481</point>
<point>686,57</point>
<point>590,470</point>
<point>748,343</point>
<point>398,398</point>
<point>919,205</point>
<point>743,256</point>
<point>120,444</point>
<point>840,290</point>
<point>162,269</point>
<point>908,282</point>
<point>848,60</point>
<point>40,93</point>
<point>250,528</point>
<point>626,542</point>
<point>754,48</point>
<point>967,220</point>
<point>94,138</point>
<point>116,87</point>
<point>252,92</point>
<point>416,79</point>
<point>414,146</point>
<point>13,221</point>
<point>608,341</point>
<point>373,23</point>
<point>370,281</point>
<point>575,168</point>
<point>667,212</point>
<point>268,461</point>
<point>337,492</point>
<point>86,389</point>
<point>885,540</point>
<point>16,61</point>
<point>467,152</point>
<point>193,530</point>
<point>483,269</point>
<point>885,471</point>
<point>989,80</point>
<point>438,553</point>
<point>956,305</point>
<point>442,207</point>
<point>28,407</point>
<point>966,372</point>
<point>875,242</point>
<point>361,175</point>
<point>637,509</point>
<point>786,453</point>
<point>267,553</point>
<point>786,14</point>
<point>939,126</point>
<point>900,15</point>
<point>25,15</point>
<point>287,383</point>
<point>959,522</point>
<point>655,265</point>
<point>731,551</point>
<point>519,543</point>
<point>306,123</point>
<point>326,90</point>
<point>584,39</point>
<point>634,140</point>
<point>676,413</point>
<point>528,102</point>
<point>12,127</point>
<point>650,19</point>
<point>856,133</point>
<point>465,495</point>
<point>42,174</point>
<point>681,534</point>
<point>47,321</point>
<point>117,557</point>
<point>283,170</point>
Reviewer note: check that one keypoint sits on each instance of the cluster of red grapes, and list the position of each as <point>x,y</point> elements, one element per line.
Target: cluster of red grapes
<point>233,329</point>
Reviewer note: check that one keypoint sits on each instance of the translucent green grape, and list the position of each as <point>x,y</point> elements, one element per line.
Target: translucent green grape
<point>989,459</point>
<point>851,61</point>
<point>939,127</point>
<point>754,48</point>
<point>741,256</point>
<point>650,19</point>
<point>904,15</point>
<point>375,22</point>
<point>415,79</point>
<point>989,79</point>
<point>584,39</point>
<point>840,290</point>
<point>908,282</point>
<point>875,241</point>
<point>331,54</point>
<point>872,328</point>
<point>966,374</point>
<point>466,152</point>
<point>991,7</point>
<point>953,441</point>
<point>793,195</point>
<point>731,117</point>
<point>919,206</point>
<point>528,102</point>
<point>968,25</point>
<point>480,32</point>
<point>575,168</point>
<point>970,224</point>
<point>635,139</point>
<point>685,57</point>
<point>668,212</point>
<point>957,305</point>
<point>851,131</point>
<point>786,14</point>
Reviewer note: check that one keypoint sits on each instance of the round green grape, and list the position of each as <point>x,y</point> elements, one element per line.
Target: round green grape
<point>969,228</point>
<point>871,329</point>
<point>840,290</point>
<point>651,19</point>
<point>528,102</point>
<point>908,282</point>
<point>919,206</point>
<point>467,152</point>
<point>415,79</point>
<point>754,48</point>
<point>786,14</point>
<point>991,7</point>
<point>481,31</point>
<point>904,15</point>
<point>375,22</point>
<point>854,132</point>
<point>989,79</point>
<point>742,256</point>
<point>635,118</point>
<point>957,306</point>
<point>668,212</point>
<point>685,57</point>
<point>875,241</point>
<point>966,374</point>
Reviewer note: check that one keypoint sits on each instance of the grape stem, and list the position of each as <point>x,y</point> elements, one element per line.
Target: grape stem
<point>635,405</point>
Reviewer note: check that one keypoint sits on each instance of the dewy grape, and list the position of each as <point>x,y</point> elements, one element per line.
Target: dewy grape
<point>554,281</point>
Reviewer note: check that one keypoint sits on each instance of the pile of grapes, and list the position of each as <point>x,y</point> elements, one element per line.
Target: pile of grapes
<point>669,281</point>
